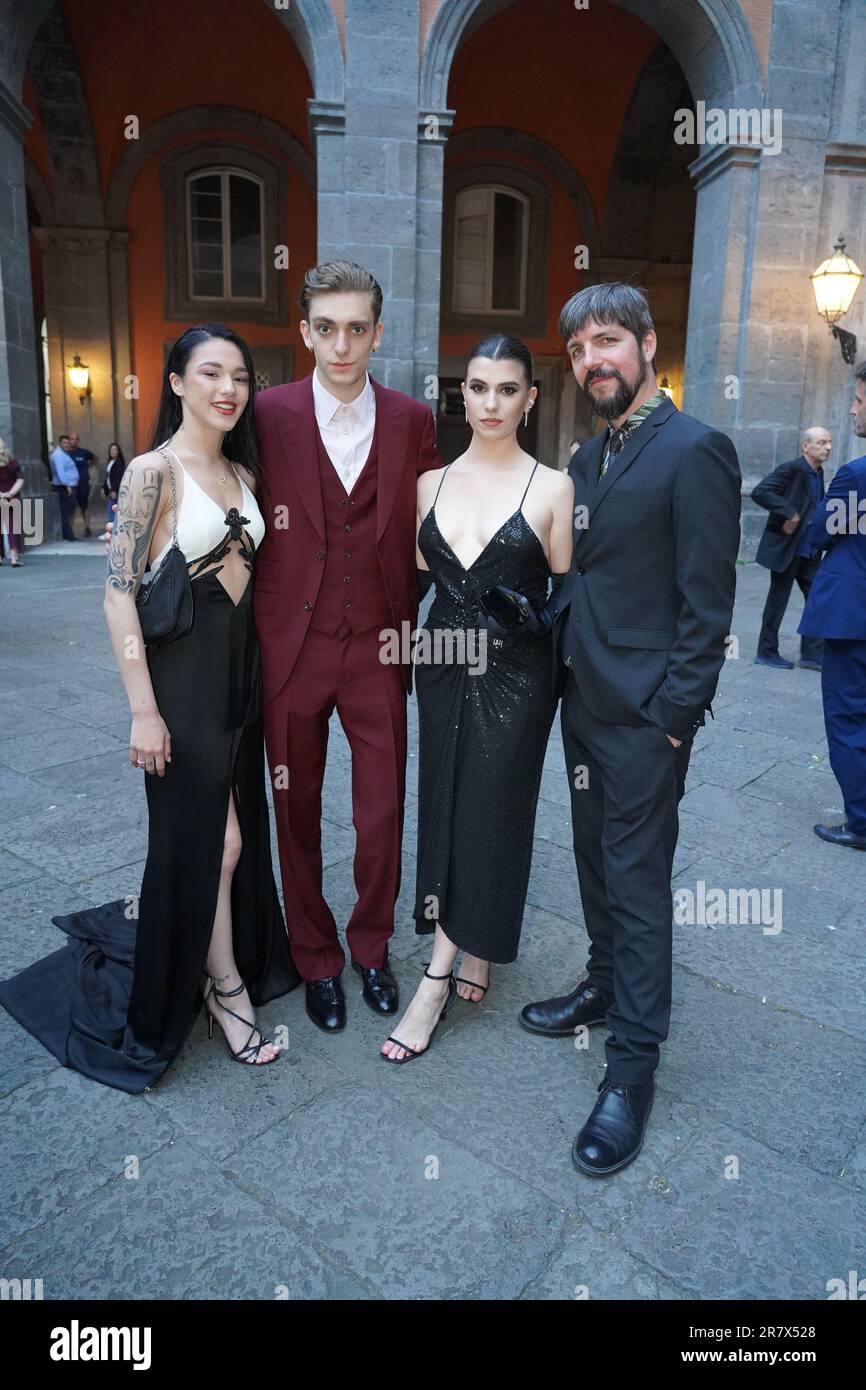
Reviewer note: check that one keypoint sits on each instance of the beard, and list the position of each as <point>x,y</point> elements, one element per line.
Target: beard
<point>612,407</point>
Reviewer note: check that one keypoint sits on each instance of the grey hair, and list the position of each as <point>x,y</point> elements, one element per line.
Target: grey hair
<point>860,371</point>
<point>609,303</point>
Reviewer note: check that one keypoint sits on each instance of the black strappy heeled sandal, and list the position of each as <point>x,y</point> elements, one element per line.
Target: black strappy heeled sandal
<point>411,1054</point>
<point>252,1048</point>
<point>473,984</point>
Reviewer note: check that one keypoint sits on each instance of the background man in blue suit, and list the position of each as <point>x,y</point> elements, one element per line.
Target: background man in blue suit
<point>836,611</point>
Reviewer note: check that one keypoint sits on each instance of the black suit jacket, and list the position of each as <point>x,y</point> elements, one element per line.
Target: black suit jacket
<point>650,595</point>
<point>784,492</point>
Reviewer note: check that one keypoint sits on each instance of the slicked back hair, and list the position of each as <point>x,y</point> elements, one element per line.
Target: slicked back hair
<point>340,277</point>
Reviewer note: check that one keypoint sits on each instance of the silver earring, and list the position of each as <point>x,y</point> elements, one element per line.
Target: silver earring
<point>526,418</point>
<point>466,412</point>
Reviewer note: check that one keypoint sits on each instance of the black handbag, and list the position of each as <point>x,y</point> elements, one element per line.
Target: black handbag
<point>165,604</point>
<point>506,610</point>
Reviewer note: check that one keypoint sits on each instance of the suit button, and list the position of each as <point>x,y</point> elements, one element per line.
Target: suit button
<point>347,527</point>
<point>320,555</point>
<point>347,554</point>
<point>347,578</point>
<point>308,606</point>
<point>347,603</point>
<point>345,503</point>
<point>581,570</point>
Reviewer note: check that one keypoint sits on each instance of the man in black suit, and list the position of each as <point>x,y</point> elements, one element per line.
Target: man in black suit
<point>642,631</point>
<point>790,494</point>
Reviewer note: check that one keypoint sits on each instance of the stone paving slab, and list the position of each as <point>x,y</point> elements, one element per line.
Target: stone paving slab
<point>309,1177</point>
<point>776,1231</point>
<point>398,1203</point>
<point>181,1230</point>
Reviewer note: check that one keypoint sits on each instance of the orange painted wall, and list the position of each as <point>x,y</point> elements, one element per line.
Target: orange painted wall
<point>566,77</point>
<point>149,60</point>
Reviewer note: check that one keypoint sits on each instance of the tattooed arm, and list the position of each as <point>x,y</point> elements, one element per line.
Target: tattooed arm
<point>144,496</point>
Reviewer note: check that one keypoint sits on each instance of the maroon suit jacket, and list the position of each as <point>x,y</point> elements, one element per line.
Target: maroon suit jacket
<point>289,564</point>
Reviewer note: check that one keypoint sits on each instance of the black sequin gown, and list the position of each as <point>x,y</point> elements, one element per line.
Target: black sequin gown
<point>482,739</point>
<point>117,1002</point>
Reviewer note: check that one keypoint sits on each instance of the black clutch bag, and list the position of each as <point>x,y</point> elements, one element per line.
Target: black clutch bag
<point>165,605</point>
<point>506,611</point>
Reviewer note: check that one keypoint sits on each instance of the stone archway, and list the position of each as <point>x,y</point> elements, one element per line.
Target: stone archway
<point>20,405</point>
<point>710,39</point>
<point>313,28</point>
<point>713,44</point>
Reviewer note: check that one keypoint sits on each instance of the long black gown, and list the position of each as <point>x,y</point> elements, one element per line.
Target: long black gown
<point>482,740</point>
<point>118,1000</point>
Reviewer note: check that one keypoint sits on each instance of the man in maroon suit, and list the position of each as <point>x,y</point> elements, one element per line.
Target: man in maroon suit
<point>340,457</point>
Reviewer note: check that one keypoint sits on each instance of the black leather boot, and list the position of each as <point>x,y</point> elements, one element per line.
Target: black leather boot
<point>613,1134</point>
<point>558,1018</point>
<point>326,1003</point>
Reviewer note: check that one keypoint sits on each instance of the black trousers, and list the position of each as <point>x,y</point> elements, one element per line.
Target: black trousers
<point>67,509</point>
<point>801,570</point>
<point>626,784</point>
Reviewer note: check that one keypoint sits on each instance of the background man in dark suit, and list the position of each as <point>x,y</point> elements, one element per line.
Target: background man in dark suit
<point>790,494</point>
<point>836,611</point>
<point>643,637</point>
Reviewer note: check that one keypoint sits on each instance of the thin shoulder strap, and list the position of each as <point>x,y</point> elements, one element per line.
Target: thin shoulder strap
<point>165,451</point>
<point>528,485</point>
<point>439,488</point>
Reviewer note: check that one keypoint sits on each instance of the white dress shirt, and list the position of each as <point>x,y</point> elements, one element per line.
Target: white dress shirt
<point>346,430</point>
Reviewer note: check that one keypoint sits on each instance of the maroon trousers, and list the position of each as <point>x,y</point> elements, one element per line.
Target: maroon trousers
<point>341,672</point>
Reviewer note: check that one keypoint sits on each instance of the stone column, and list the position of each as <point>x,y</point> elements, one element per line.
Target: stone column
<point>20,404</point>
<point>381,168</point>
<point>121,345</point>
<point>433,130</point>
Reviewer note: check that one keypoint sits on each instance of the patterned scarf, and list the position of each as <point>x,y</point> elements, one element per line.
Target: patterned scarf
<point>617,437</point>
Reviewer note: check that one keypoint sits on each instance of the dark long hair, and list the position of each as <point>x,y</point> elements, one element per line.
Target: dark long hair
<point>120,458</point>
<point>239,443</point>
<point>499,347</point>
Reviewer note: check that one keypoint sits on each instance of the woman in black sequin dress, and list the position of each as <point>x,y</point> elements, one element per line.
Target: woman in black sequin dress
<point>485,701</point>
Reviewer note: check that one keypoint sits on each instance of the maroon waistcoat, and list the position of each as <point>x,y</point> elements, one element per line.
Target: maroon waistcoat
<point>352,587</point>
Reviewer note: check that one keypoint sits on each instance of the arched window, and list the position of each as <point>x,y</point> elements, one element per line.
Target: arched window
<point>225,234</point>
<point>495,248</point>
<point>491,226</point>
<point>225,215</point>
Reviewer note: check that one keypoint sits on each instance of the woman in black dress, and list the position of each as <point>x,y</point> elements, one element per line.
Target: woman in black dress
<point>118,1001</point>
<point>485,701</point>
<point>114,471</point>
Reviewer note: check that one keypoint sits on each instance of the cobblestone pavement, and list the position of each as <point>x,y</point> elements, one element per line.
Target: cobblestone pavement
<point>332,1176</point>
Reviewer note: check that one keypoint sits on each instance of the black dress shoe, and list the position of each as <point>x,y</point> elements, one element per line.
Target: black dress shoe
<point>326,1003</point>
<point>841,835</point>
<point>780,662</point>
<point>380,987</point>
<point>558,1018</point>
<point>613,1134</point>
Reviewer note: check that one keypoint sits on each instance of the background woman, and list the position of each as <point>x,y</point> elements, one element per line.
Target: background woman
<point>11,486</point>
<point>114,470</point>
